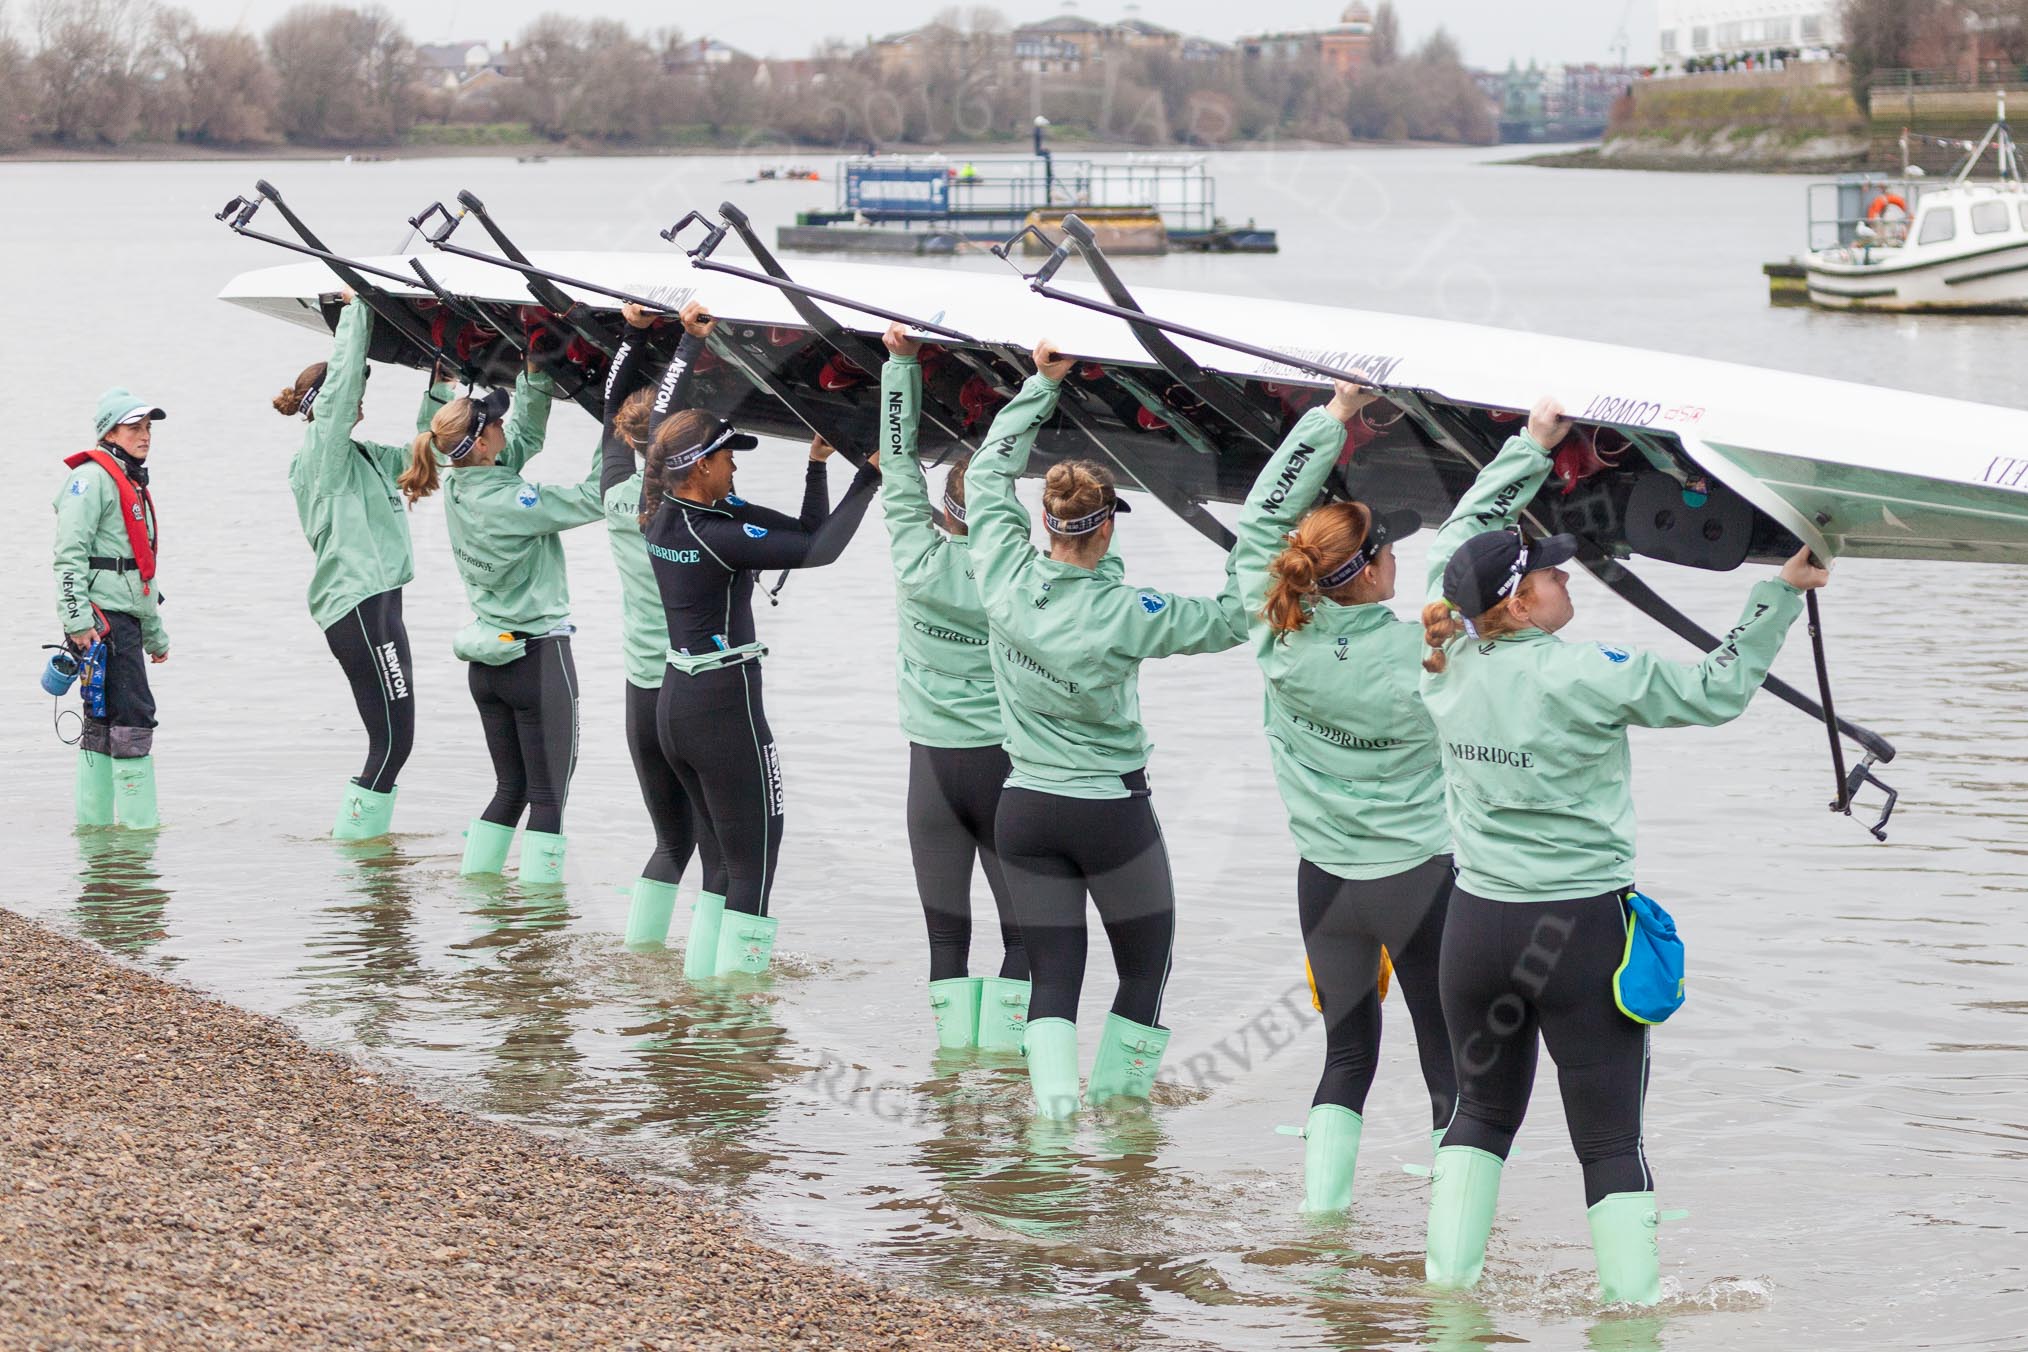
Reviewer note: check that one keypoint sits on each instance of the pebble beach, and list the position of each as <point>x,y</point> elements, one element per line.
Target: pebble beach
<point>177,1173</point>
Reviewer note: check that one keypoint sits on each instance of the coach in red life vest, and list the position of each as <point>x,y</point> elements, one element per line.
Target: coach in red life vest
<point>106,540</point>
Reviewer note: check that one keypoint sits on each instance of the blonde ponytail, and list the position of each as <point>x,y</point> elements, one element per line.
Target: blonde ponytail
<point>447,427</point>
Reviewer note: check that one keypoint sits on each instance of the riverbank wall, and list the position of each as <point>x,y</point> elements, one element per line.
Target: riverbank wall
<point>1802,119</point>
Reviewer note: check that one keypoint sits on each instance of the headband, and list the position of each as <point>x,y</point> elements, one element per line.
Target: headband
<point>309,398</point>
<point>1083,525</point>
<point>954,509</point>
<point>1362,558</point>
<point>685,459</point>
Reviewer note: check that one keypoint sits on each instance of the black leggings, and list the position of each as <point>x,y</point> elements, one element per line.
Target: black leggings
<point>1346,922</point>
<point>680,828</point>
<point>714,733</point>
<point>953,795</point>
<point>1516,971</point>
<point>1056,849</point>
<point>371,645</point>
<point>127,732</point>
<point>528,708</point>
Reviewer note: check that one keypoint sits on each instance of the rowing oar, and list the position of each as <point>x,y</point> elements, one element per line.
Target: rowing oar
<point>439,236</point>
<point>1038,282</point>
<point>240,211</point>
<point>1847,784</point>
<point>714,235</point>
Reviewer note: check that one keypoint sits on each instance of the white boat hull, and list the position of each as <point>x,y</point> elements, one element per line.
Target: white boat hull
<point>1991,281</point>
<point>1808,453</point>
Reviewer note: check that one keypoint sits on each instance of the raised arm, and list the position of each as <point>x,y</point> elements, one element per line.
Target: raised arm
<point>528,418</point>
<point>1146,623</point>
<point>672,392</point>
<point>336,410</point>
<point>1504,487</point>
<point>623,377</point>
<point>1288,487</point>
<point>1617,687</point>
<point>912,536</point>
<point>995,520</point>
<point>742,543</point>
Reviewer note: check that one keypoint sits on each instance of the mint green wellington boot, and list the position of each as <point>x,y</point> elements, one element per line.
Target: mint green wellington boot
<point>1623,1241</point>
<point>1464,1188</point>
<point>364,814</point>
<point>745,943</point>
<point>1051,1048</point>
<point>134,793</point>
<point>649,912</point>
<point>1330,1155</point>
<point>541,857</point>
<point>955,1003</point>
<point>1003,1013</point>
<point>486,847</point>
<point>700,954</point>
<point>1129,1054</point>
<point>94,788</point>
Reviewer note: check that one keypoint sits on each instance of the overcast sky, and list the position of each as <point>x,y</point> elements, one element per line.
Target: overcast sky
<point>1491,31</point>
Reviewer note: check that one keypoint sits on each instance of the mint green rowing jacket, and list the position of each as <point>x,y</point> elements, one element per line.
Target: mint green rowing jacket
<point>346,493</point>
<point>945,671</point>
<point>504,533</point>
<point>1353,750</point>
<point>1068,642</point>
<point>1534,730</point>
<point>644,625</point>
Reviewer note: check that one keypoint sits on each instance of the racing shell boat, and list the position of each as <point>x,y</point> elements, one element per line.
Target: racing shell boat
<point>1698,463</point>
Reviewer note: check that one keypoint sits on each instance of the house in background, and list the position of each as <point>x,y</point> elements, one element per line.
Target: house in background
<point>1344,47</point>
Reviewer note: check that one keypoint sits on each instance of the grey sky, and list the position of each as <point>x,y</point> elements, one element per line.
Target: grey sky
<point>1491,31</point>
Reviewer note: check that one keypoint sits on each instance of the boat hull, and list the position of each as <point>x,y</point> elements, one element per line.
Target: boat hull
<point>1991,281</point>
<point>1807,454</point>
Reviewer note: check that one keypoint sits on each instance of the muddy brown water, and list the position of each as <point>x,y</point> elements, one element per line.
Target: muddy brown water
<point>1843,1105</point>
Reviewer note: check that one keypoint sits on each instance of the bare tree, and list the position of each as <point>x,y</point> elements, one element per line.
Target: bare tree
<point>347,75</point>
<point>17,95</point>
<point>88,63</point>
<point>228,92</point>
<point>1386,48</point>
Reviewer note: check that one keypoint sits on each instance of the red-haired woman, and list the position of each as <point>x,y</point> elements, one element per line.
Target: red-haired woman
<point>1355,756</point>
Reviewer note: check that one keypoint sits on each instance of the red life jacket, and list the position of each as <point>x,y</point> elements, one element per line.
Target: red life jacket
<point>137,511</point>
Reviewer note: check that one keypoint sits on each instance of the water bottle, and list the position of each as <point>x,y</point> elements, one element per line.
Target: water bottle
<point>61,673</point>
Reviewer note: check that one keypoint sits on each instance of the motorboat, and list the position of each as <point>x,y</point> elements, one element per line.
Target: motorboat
<point>1961,248</point>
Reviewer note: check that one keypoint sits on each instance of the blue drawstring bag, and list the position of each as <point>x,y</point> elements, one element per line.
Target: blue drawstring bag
<point>1648,987</point>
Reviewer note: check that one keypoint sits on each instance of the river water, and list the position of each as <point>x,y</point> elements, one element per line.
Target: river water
<point>1843,1106</point>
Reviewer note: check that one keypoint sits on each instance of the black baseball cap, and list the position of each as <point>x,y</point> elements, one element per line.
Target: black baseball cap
<point>1487,568</point>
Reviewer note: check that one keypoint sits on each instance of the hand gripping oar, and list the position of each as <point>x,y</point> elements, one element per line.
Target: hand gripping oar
<point>1452,432</point>
<point>545,292</point>
<point>1209,389</point>
<point>387,307</point>
<point>439,234</point>
<point>862,352</point>
<point>1038,282</point>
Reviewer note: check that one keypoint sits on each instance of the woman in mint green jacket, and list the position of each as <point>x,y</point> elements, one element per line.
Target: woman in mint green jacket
<point>1537,781</point>
<point>1355,756</point>
<point>1075,818</point>
<point>504,540</point>
<point>353,516</point>
<point>950,713</point>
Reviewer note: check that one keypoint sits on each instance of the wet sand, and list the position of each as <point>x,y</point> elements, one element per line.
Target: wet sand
<point>175,1172</point>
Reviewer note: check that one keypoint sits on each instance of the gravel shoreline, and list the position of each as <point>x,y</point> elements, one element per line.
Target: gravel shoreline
<point>178,1173</point>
